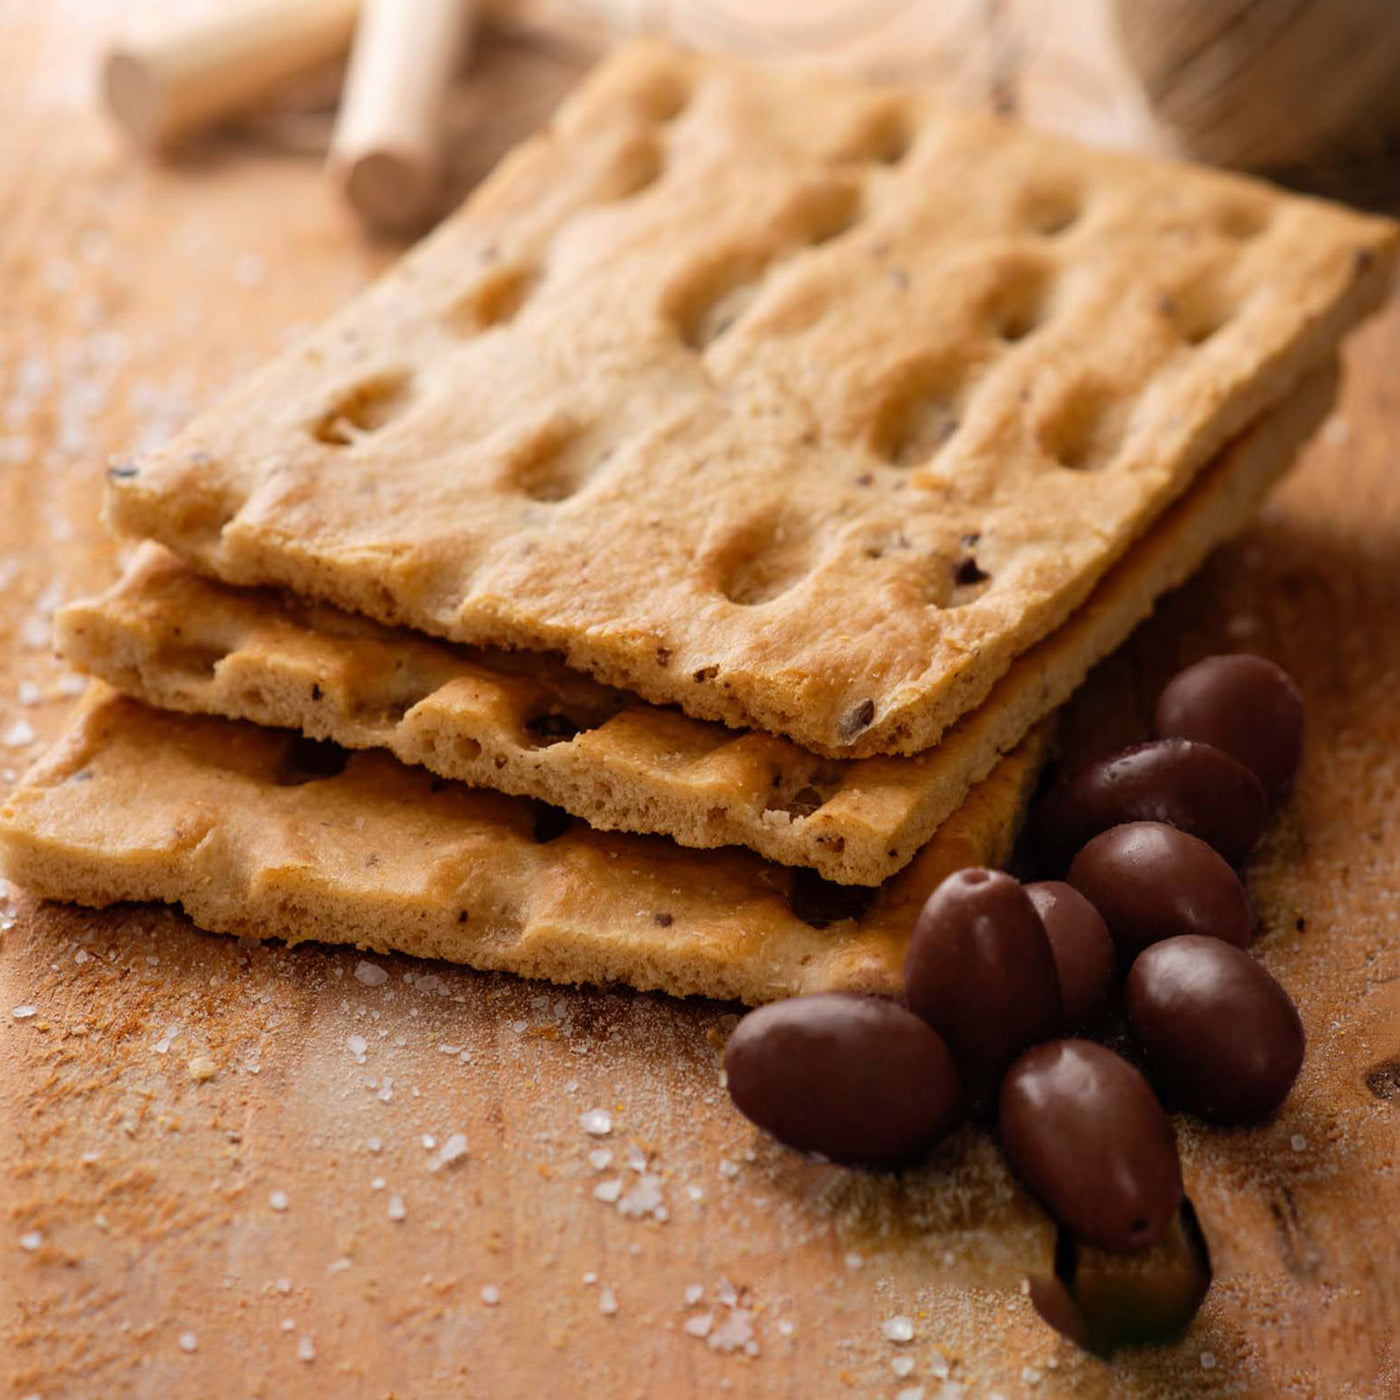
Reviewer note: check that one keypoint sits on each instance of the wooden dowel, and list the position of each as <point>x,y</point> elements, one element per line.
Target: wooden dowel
<point>167,86</point>
<point>387,148</point>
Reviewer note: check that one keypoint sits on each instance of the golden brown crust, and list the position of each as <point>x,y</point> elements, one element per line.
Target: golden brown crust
<point>503,720</point>
<point>233,823</point>
<point>731,388</point>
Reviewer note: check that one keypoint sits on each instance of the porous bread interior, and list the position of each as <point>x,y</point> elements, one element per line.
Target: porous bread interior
<point>255,832</point>
<point>521,723</point>
<point>795,401</point>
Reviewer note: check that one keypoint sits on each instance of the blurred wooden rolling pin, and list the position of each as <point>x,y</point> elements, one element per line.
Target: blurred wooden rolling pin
<point>386,153</point>
<point>166,86</point>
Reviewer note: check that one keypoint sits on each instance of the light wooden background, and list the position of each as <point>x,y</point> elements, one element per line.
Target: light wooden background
<point>164,1235</point>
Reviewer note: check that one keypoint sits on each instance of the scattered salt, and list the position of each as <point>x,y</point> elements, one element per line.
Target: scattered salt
<point>370,975</point>
<point>23,1013</point>
<point>693,1294</point>
<point>590,1278</point>
<point>278,1200</point>
<point>597,1122</point>
<point>643,1199</point>
<point>357,1045</point>
<point>599,1159</point>
<point>397,1209</point>
<point>163,1044</point>
<point>429,1142</point>
<point>27,693</point>
<point>786,1326</point>
<point>608,1191</point>
<point>910,1392</point>
<point>699,1326</point>
<point>32,1240</point>
<point>728,1168</point>
<point>1030,1375</point>
<point>188,1341</point>
<point>490,1295</point>
<point>902,1366</point>
<point>81,956</point>
<point>306,1348</point>
<point>607,1302</point>
<point>284,1285</point>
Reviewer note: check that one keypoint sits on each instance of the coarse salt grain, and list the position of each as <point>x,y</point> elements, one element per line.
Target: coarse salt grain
<point>306,1348</point>
<point>902,1366</point>
<point>1030,1375</point>
<point>734,1332</point>
<point>397,1209</point>
<point>693,1294</point>
<point>728,1168</point>
<point>608,1191</point>
<point>786,1327</point>
<point>699,1326</point>
<point>597,1122</point>
<point>490,1295</point>
<point>910,1392</point>
<point>278,1200</point>
<point>599,1159</point>
<point>897,1329</point>
<point>369,975</point>
<point>453,1150</point>
<point>31,1240</point>
<point>23,1013</point>
<point>188,1341</point>
<point>18,735</point>
<point>357,1045</point>
<point>607,1302</point>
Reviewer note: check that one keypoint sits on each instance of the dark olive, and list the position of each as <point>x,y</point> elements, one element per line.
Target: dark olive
<point>1082,947</point>
<point>1151,882</point>
<point>1221,1038</point>
<point>980,970</point>
<point>1102,1300</point>
<point>1083,1129</point>
<point>1244,705</point>
<point>857,1079</point>
<point>1193,787</point>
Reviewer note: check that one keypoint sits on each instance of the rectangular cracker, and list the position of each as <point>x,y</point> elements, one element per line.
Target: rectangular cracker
<point>522,724</point>
<point>798,402</point>
<point>253,835</point>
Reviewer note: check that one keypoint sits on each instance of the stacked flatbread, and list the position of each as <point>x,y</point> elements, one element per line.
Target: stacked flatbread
<point>667,572</point>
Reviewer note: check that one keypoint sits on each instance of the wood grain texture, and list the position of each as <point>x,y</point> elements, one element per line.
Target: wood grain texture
<point>130,295</point>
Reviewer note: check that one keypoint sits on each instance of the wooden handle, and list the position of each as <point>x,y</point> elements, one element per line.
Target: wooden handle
<point>163,88</point>
<point>387,148</point>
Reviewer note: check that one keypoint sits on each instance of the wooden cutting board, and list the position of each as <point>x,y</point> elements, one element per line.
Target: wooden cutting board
<point>220,1166</point>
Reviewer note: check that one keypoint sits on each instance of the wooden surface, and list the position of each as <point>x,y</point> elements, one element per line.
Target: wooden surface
<point>200,1168</point>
